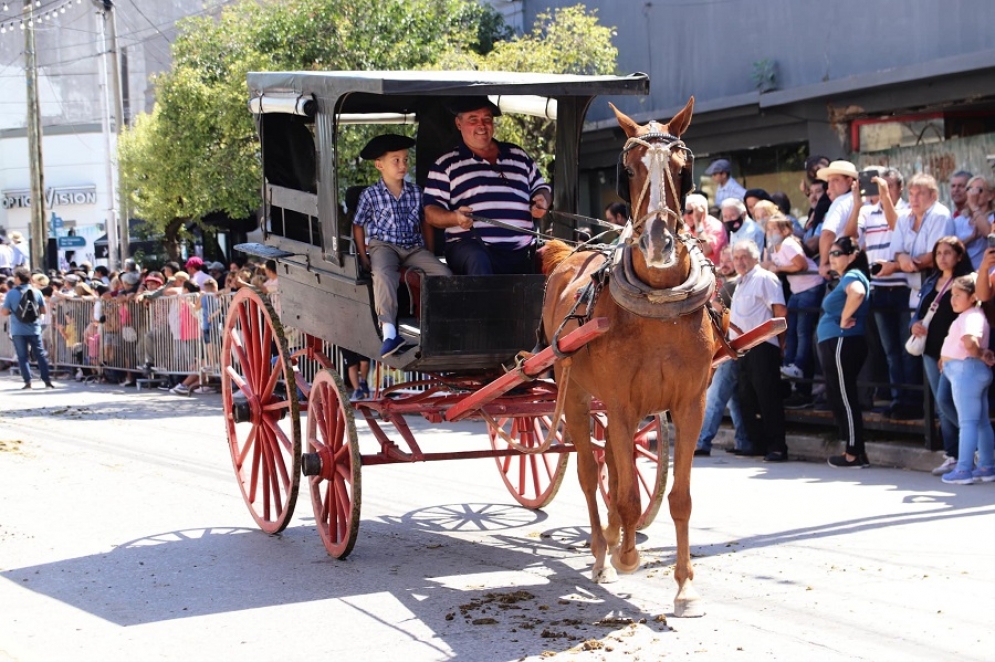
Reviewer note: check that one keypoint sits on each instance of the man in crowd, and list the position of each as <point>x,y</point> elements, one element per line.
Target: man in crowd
<point>758,298</point>
<point>739,225</point>
<point>720,170</point>
<point>839,177</point>
<point>25,327</point>
<point>723,388</point>
<point>486,178</point>
<point>958,195</point>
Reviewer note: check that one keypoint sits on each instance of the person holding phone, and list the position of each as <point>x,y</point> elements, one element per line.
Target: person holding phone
<point>872,226</point>
<point>974,224</point>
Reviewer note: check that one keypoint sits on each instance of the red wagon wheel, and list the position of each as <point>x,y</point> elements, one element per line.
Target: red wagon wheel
<point>532,479</point>
<point>332,464</point>
<point>261,410</point>
<point>651,455</point>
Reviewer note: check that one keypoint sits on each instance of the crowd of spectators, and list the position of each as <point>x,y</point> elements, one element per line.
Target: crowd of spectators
<point>92,335</point>
<point>856,277</point>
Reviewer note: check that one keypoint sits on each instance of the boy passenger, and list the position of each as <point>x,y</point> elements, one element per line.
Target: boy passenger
<point>389,227</point>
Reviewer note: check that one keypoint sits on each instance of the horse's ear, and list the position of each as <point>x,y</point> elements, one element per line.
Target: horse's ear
<point>627,123</point>
<point>682,120</point>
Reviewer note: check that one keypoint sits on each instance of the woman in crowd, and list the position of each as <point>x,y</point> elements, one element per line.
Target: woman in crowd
<point>966,361</point>
<point>973,227</point>
<point>788,257</point>
<point>843,347</point>
<point>951,260</point>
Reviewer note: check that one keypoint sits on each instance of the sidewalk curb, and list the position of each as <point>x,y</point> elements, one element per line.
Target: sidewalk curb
<point>812,448</point>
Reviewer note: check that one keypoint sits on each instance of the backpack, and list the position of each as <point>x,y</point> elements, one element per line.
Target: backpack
<point>27,307</point>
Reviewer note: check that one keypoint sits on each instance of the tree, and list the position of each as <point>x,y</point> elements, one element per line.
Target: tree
<point>569,40</point>
<point>197,153</point>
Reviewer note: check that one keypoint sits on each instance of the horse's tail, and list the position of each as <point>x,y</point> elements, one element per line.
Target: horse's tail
<point>553,253</point>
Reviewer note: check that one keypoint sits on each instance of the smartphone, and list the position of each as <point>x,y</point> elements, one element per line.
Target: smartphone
<point>991,240</point>
<point>867,187</point>
<point>877,267</point>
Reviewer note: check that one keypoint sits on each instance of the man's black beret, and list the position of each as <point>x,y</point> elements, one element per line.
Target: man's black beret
<point>466,104</point>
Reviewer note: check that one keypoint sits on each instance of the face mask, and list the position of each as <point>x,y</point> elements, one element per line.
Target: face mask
<point>732,226</point>
<point>775,240</point>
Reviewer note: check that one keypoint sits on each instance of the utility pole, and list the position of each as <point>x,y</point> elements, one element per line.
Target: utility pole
<point>124,231</point>
<point>39,224</point>
<point>112,225</point>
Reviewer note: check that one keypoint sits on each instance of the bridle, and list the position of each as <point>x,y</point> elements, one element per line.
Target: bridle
<point>659,148</point>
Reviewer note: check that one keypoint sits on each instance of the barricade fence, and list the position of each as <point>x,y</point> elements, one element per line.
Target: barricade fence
<point>177,336</point>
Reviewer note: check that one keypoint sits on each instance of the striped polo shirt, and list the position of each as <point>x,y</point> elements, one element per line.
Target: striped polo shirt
<point>875,234</point>
<point>502,191</point>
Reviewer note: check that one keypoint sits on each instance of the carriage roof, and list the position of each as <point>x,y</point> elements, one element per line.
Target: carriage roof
<point>333,84</point>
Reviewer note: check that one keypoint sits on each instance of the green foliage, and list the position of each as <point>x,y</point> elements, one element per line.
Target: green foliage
<point>197,152</point>
<point>567,41</point>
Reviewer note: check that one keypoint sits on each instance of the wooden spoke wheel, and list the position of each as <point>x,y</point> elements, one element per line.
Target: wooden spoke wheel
<point>651,456</point>
<point>262,411</point>
<point>533,479</point>
<point>332,464</point>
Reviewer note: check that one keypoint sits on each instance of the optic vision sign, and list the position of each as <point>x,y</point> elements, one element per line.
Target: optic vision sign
<point>54,197</point>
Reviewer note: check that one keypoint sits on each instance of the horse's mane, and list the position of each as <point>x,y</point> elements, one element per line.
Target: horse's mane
<point>553,253</point>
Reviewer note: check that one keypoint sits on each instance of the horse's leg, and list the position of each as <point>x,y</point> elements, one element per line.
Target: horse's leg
<point>623,513</point>
<point>687,426</point>
<point>577,411</point>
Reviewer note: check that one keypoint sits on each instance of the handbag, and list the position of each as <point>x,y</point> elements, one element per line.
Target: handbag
<point>916,345</point>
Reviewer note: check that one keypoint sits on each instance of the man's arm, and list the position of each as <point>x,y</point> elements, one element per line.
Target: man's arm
<point>438,217</point>
<point>850,227</point>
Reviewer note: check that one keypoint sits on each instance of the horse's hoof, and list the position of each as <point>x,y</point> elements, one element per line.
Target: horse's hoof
<point>605,575</point>
<point>687,604</point>
<point>689,608</point>
<point>622,566</point>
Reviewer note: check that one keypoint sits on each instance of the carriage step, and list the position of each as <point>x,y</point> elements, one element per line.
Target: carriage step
<point>262,250</point>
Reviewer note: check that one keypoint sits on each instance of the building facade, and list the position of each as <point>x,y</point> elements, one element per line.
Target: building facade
<point>776,80</point>
<point>70,80</point>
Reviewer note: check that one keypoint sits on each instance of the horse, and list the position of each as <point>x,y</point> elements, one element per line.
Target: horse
<point>657,353</point>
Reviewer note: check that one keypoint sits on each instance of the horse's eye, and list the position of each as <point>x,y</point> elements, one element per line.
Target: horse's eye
<point>629,171</point>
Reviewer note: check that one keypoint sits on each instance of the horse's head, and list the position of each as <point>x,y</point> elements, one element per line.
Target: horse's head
<point>654,172</point>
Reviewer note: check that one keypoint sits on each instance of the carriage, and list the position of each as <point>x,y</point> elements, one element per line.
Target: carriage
<point>464,333</point>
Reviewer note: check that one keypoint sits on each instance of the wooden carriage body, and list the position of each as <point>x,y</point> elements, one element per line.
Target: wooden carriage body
<point>458,324</point>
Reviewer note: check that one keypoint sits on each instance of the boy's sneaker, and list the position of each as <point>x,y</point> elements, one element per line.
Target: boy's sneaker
<point>948,465</point>
<point>365,388</point>
<point>180,389</point>
<point>207,389</point>
<point>391,346</point>
<point>356,395</point>
<point>858,462</point>
<point>792,371</point>
<point>986,475</point>
<point>956,477</point>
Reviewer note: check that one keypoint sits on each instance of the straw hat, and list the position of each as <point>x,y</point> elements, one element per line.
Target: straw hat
<point>844,168</point>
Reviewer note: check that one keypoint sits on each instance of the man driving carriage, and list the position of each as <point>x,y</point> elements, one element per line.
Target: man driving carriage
<point>388,226</point>
<point>485,177</point>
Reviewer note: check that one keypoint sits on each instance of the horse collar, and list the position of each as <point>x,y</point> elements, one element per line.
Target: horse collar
<point>670,303</point>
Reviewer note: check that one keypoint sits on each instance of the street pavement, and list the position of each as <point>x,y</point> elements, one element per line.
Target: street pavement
<point>123,536</point>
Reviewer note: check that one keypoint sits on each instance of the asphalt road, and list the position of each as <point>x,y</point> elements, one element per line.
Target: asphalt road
<point>123,536</point>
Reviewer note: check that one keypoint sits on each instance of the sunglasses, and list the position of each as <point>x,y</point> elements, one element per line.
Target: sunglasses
<point>837,253</point>
<point>688,211</point>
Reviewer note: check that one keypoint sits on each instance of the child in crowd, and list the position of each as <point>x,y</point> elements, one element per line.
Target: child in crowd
<point>389,225</point>
<point>966,361</point>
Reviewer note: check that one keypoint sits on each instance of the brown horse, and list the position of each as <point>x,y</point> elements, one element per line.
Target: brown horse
<point>657,353</point>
